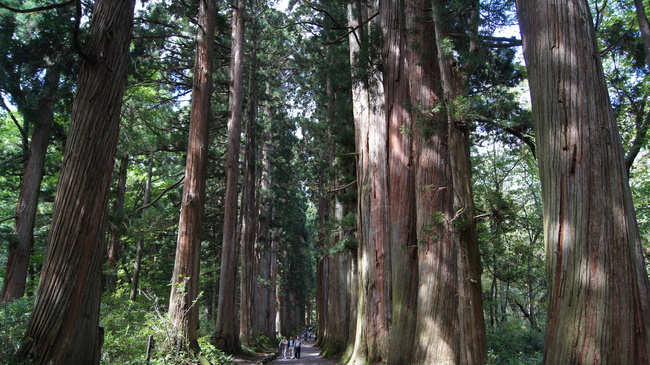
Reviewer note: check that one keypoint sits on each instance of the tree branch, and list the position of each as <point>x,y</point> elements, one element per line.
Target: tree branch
<point>342,187</point>
<point>8,219</point>
<point>34,10</point>
<point>515,132</point>
<point>172,186</point>
<point>23,133</point>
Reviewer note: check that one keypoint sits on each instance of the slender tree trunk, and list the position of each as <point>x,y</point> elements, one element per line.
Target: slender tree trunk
<point>249,276</point>
<point>227,323</point>
<point>644,27</point>
<point>18,259</point>
<point>64,325</point>
<point>114,229</point>
<point>598,290</point>
<point>183,309</point>
<point>137,264</point>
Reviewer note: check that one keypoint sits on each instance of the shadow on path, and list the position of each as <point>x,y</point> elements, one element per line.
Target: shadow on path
<point>310,354</point>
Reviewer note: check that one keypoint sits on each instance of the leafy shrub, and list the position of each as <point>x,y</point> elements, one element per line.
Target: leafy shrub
<point>128,326</point>
<point>514,342</point>
<point>14,317</point>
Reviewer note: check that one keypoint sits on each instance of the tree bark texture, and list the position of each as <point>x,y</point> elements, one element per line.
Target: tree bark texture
<point>462,224</point>
<point>597,283</point>
<point>266,249</point>
<point>18,260</point>
<point>183,311</point>
<point>249,211</point>
<point>374,313</point>
<point>227,322</point>
<point>403,242</point>
<point>64,325</point>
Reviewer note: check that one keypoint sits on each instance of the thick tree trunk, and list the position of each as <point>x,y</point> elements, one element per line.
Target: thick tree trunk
<point>397,24</point>
<point>450,326</point>
<point>227,324</point>
<point>183,310</point>
<point>374,313</point>
<point>64,325</point>
<point>30,186</point>
<point>114,229</point>
<point>598,308</point>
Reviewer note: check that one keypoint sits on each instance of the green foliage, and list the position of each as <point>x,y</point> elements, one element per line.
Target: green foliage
<point>514,343</point>
<point>14,317</point>
<point>129,325</point>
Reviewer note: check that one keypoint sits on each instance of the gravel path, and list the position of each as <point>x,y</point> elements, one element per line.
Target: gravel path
<point>309,354</point>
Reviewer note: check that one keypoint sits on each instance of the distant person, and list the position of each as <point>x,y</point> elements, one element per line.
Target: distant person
<point>283,347</point>
<point>298,345</point>
<point>292,343</point>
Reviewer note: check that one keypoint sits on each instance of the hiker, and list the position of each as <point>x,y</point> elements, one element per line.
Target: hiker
<point>298,345</point>
<point>283,347</point>
<point>291,347</point>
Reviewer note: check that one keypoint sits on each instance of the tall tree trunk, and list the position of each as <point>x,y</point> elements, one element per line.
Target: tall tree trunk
<point>137,264</point>
<point>266,250</point>
<point>598,302</point>
<point>399,21</point>
<point>183,309</point>
<point>249,211</point>
<point>64,325</point>
<point>114,229</point>
<point>449,311</point>
<point>374,315</point>
<point>227,323</point>
<point>30,186</point>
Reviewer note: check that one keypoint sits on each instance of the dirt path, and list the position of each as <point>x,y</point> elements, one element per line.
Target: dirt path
<point>309,355</point>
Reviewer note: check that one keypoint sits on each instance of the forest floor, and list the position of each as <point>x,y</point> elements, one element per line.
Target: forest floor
<point>310,355</point>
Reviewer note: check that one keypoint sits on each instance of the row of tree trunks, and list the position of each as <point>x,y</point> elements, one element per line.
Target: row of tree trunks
<point>598,307</point>
<point>64,325</point>
<point>227,331</point>
<point>183,311</point>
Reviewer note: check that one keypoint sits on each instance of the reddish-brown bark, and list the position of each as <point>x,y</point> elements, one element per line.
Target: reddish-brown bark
<point>30,186</point>
<point>64,325</point>
<point>183,311</point>
<point>227,324</point>
<point>599,295</point>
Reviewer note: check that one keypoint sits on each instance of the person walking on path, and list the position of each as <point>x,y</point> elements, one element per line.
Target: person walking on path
<point>283,347</point>
<point>291,347</point>
<point>309,355</point>
<point>297,346</point>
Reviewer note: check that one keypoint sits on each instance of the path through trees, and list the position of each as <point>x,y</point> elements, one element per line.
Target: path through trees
<point>309,354</point>
<point>367,170</point>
